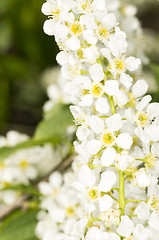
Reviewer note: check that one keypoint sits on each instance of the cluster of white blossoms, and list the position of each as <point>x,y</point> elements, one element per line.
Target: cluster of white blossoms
<point>60,209</point>
<point>53,80</point>
<point>23,166</point>
<point>117,165</point>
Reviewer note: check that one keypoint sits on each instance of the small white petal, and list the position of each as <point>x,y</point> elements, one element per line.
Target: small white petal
<point>96,124</point>
<point>109,20</point>
<point>126,80</point>
<point>96,72</point>
<point>102,105</point>
<point>62,57</point>
<point>86,101</point>
<point>73,43</point>
<point>105,203</point>
<point>86,176</point>
<point>93,146</point>
<point>82,133</point>
<point>89,36</point>
<point>61,31</point>
<point>153,132</point>
<point>111,87</point>
<point>140,88</point>
<point>49,27</point>
<point>88,20</point>
<point>154,220</point>
<point>114,123</point>
<point>143,103</point>
<point>108,156</point>
<point>142,211</point>
<point>153,110</point>
<point>46,8</point>
<point>140,232</point>
<point>126,227</point>
<point>108,179</point>
<point>133,63</point>
<point>124,140</point>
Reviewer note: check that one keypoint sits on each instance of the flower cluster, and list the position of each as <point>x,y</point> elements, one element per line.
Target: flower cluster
<point>118,127</point>
<point>60,209</point>
<point>23,166</point>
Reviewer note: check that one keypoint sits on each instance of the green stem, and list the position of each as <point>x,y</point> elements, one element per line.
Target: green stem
<point>121,192</point>
<point>96,166</point>
<point>112,104</point>
<point>133,200</point>
<point>117,189</point>
<point>132,215</point>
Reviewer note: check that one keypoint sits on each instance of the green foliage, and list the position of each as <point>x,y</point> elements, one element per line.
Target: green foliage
<point>51,130</point>
<point>19,226</point>
<point>55,123</point>
<point>30,189</point>
<point>155,68</point>
<point>23,57</point>
<point>7,151</point>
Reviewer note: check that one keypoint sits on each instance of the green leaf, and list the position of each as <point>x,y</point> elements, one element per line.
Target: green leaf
<point>155,69</point>
<point>55,123</point>
<point>7,151</point>
<point>30,189</point>
<point>51,130</point>
<point>19,226</point>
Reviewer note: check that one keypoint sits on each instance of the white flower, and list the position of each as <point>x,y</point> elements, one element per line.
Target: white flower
<point>126,227</point>
<point>123,160</point>
<point>141,178</point>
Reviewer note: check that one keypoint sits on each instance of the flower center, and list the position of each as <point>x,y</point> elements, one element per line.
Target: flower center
<point>111,217</point>
<point>85,5</point>
<point>102,32</point>
<point>56,13</point>
<point>108,138</point>
<point>93,194</point>
<point>70,211</point>
<point>132,102</point>
<point>97,90</point>
<point>141,119</point>
<point>119,64</point>
<point>153,203</point>
<point>2,165</point>
<point>24,163</point>
<point>76,29</point>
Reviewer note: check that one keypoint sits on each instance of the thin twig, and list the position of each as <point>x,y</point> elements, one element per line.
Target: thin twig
<point>20,201</point>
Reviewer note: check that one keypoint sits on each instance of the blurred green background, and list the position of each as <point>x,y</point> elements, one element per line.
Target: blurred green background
<point>25,52</point>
